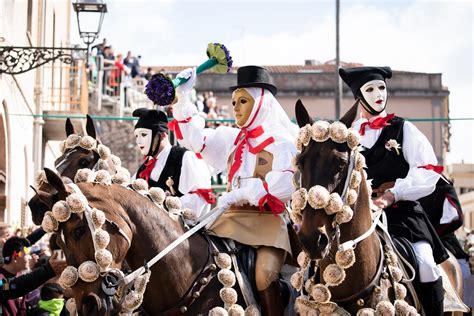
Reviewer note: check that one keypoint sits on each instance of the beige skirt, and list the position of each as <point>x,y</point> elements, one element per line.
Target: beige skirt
<point>247,226</point>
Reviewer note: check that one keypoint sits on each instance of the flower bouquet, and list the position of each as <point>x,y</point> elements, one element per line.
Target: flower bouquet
<point>162,90</point>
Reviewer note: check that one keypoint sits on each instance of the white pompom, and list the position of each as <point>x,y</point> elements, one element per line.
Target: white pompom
<point>318,197</point>
<point>40,178</point>
<point>385,308</point>
<point>103,177</point>
<point>223,261</point>
<point>49,223</point>
<point>338,132</point>
<point>68,277</point>
<point>400,291</point>
<point>345,259</point>
<point>226,277</point>
<point>334,275</point>
<point>77,202</point>
<point>320,293</point>
<point>101,238</point>
<point>121,178</point>
<point>116,161</point>
<point>360,162</point>
<point>84,175</point>
<point>132,301</point>
<point>89,271</point>
<point>218,311</point>
<point>104,258</point>
<point>353,138</point>
<point>320,131</point>
<point>228,295</point>
<point>72,140</point>
<point>62,147</point>
<point>252,310</point>
<point>71,306</point>
<point>190,215</point>
<point>366,312</point>
<point>334,204</point>
<point>140,185</point>
<point>296,280</point>
<point>87,142</point>
<point>299,199</point>
<point>344,215</point>
<point>61,211</point>
<point>157,195</point>
<point>351,196</point>
<point>98,217</point>
<point>303,260</point>
<point>103,151</point>
<point>396,273</point>
<point>328,308</point>
<point>356,178</point>
<point>236,310</point>
<point>304,135</point>
<point>173,203</point>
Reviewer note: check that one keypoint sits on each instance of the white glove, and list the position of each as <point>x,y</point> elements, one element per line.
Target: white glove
<point>187,87</point>
<point>230,198</point>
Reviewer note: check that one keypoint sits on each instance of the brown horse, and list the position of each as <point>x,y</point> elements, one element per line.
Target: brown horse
<point>174,280</point>
<point>326,164</point>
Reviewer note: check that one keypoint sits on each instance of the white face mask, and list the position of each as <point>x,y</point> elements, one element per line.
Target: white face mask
<point>143,139</point>
<point>375,94</point>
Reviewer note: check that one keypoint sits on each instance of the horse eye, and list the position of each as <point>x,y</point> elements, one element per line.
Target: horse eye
<point>342,165</point>
<point>79,232</point>
<point>83,162</point>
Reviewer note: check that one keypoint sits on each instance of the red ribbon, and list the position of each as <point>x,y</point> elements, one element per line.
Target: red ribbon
<point>435,168</point>
<point>275,204</point>
<point>174,126</point>
<point>242,140</point>
<point>378,123</point>
<point>149,165</point>
<point>206,194</point>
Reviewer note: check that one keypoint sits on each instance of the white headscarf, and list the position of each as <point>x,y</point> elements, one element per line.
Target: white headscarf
<point>268,113</point>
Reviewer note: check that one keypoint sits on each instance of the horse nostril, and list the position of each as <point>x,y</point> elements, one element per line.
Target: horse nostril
<point>322,242</point>
<point>91,305</point>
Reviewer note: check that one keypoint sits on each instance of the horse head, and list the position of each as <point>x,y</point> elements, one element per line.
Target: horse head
<point>75,238</point>
<point>326,164</point>
<point>77,157</point>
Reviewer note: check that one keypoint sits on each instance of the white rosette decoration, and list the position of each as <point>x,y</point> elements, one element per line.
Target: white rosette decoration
<point>72,140</point>
<point>61,211</point>
<point>228,295</point>
<point>121,178</point>
<point>338,132</point>
<point>223,261</point>
<point>318,197</point>
<point>68,277</point>
<point>305,134</point>
<point>103,177</point>
<point>320,131</point>
<point>385,308</point>
<point>140,185</point>
<point>296,280</point>
<point>77,202</point>
<point>89,271</point>
<point>190,215</point>
<point>173,203</point>
<point>104,258</point>
<point>218,311</point>
<point>101,238</point>
<point>49,223</point>
<point>320,293</point>
<point>356,178</point>
<point>359,161</point>
<point>334,204</point>
<point>98,217</point>
<point>303,260</point>
<point>226,277</point>
<point>84,175</point>
<point>116,161</point>
<point>351,196</point>
<point>157,195</point>
<point>132,301</point>
<point>353,138</point>
<point>344,215</point>
<point>236,310</point>
<point>345,259</point>
<point>103,151</point>
<point>87,142</point>
<point>334,275</point>
<point>299,199</point>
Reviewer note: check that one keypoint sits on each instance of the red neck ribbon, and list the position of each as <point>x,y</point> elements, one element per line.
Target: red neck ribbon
<point>206,194</point>
<point>378,123</point>
<point>174,126</point>
<point>149,165</point>
<point>437,169</point>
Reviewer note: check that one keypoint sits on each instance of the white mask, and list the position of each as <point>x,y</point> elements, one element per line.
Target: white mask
<point>143,138</point>
<point>375,94</point>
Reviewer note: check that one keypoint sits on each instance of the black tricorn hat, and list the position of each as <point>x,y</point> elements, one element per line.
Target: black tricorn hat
<point>155,120</point>
<point>254,76</point>
<point>357,77</point>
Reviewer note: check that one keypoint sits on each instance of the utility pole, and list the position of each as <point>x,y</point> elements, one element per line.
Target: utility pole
<point>336,71</point>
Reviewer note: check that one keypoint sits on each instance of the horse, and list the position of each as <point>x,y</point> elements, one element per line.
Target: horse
<point>183,282</point>
<point>326,164</point>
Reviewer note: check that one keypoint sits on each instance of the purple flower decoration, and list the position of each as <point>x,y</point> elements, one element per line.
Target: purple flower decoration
<point>160,89</point>
<point>227,56</point>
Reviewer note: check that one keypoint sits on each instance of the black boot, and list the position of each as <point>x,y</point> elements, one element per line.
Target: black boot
<point>271,300</point>
<point>431,296</point>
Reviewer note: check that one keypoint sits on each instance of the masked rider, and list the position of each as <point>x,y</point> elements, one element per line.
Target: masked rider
<point>177,171</point>
<point>257,156</point>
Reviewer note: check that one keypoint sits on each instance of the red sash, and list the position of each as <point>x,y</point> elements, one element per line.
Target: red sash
<point>149,165</point>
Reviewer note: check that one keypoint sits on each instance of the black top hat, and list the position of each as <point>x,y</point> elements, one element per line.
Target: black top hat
<point>357,77</point>
<point>155,120</point>
<point>254,76</point>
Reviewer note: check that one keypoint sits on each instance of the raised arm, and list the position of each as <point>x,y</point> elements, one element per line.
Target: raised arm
<point>213,145</point>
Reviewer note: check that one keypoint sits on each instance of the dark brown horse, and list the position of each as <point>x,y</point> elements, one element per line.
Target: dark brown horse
<point>150,229</point>
<point>326,164</point>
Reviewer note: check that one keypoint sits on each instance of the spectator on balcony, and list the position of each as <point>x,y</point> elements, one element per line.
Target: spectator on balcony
<point>100,47</point>
<point>133,63</point>
<point>116,74</point>
<point>149,73</point>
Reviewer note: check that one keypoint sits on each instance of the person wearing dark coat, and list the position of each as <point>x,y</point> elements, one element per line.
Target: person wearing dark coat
<point>401,165</point>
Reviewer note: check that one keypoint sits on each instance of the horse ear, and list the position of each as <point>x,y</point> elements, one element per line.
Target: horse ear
<point>55,181</point>
<point>90,128</point>
<point>302,116</point>
<point>47,198</point>
<point>69,127</point>
<point>350,116</point>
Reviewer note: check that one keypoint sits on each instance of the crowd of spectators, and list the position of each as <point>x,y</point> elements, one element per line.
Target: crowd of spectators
<point>29,272</point>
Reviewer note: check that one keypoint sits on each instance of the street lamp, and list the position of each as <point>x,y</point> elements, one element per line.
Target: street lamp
<point>90,15</point>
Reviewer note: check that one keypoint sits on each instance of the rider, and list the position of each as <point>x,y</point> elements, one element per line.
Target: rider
<point>400,163</point>
<point>177,171</point>
<point>257,156</point>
